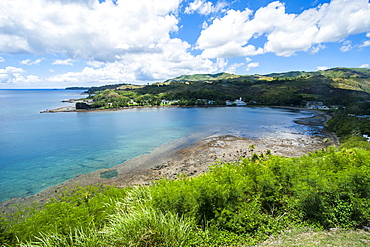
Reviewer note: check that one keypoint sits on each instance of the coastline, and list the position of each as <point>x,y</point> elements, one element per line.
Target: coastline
<point>73,109</point>
<point>191,156</point>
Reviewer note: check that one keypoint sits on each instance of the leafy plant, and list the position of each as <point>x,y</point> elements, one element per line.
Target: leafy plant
<point>239,203</point>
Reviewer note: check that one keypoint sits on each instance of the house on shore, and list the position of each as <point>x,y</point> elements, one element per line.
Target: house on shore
<point>367,137</point>
<point>237,102</point>
<point>317,105</point>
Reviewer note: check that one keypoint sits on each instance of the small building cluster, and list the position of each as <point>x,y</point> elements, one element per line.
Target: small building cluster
<point>359,116</point>
<point>367,137</point>
<point>318,105</point>
<point>237,102</point>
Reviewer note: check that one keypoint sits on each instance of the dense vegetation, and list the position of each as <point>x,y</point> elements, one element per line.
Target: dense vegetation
<point>338,86</point>
<point>352,121</point>
<point>240,203</point>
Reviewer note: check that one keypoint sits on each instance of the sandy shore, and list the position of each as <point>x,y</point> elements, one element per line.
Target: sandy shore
<point>180,157</point>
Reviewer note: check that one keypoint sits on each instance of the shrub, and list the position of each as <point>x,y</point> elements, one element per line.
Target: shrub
<point>234,203</point>
<point>76,209</point>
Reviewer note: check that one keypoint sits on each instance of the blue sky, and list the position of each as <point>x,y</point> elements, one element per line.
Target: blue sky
<point>61,43</point>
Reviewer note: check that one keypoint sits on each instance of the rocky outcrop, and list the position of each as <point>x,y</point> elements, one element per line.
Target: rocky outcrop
<point>83,105</point>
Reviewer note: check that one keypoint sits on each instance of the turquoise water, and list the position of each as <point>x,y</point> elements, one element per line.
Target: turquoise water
<point>41,150</point>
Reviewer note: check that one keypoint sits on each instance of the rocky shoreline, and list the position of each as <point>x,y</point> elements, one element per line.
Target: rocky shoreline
<point>181,158</point>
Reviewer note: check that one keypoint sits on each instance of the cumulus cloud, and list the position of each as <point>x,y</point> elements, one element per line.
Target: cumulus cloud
<point>12,75</point>
<point>140,68</point>
<point>224,37</point>
<point>286,33</point>
<point>30,62</point>
<point>67,61</point>
<point>2,60</point>
<point>252,65</point>
<point>125,41</point>
<point>131,41</point>
<point>233,67</point>
<point>346,46</point>
<point>85,29</point>
<point>95,64</point>
<point>221,63</point>
<point>322,67</point>
<point>364,66</point>
<point>317,48</point>
<point>204,8</point>
<point>366,42</point>
<point>11,70</point>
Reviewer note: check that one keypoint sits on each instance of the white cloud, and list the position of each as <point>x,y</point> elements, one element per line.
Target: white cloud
<point>364,66</point>
<point>366,43</point>
<point>221,63</point>
<point>11,70</point>
<point>2,60</point>
<point>205,25</point>
<point>252,65</point>
<point>247,59</point>
<point>95,64</point>
<point>322,67</point>
<point>317,48</point>
<point>85,29</point>
<point>224,39</point>
<point>124,42</point>
<point>233,67</point>
<point>13,76</point>
<point>205,8</point>
<point>11,43</point>
<point>140,68</point>
<point>347,46</point>
<point>131,41</point>
<point>30,62</point>
<point>67,61</point>
<point>225,30</point>
<point>286,33</point>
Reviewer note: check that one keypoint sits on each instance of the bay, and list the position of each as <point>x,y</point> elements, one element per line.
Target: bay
<point>41,150</point>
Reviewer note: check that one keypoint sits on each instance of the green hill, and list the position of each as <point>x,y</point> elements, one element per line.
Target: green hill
<point>202,77</point>
<point>346,73</point>
<point>329,73</point>
<point>337,86</point>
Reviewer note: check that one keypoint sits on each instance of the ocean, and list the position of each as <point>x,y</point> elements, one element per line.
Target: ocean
<point>39,150</point>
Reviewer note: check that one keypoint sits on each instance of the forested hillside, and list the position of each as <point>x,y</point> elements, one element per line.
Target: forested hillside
<point>338,86</point>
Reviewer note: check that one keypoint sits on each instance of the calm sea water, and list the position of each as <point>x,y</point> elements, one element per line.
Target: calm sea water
<point>41,150</point>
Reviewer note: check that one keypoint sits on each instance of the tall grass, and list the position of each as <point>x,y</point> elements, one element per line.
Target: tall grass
<point>145,226</point>
<point>238,203</point>
<point>75,238</point>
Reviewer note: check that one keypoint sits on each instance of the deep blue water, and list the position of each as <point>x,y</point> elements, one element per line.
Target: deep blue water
<point>41,150</point>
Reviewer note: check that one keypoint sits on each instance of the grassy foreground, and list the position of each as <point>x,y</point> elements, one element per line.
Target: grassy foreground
<point>317,199</point>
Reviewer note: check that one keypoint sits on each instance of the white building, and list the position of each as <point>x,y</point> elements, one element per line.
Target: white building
<point>238,102</point>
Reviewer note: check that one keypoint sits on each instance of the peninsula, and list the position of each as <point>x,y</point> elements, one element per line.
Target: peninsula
<point>328,89</point>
